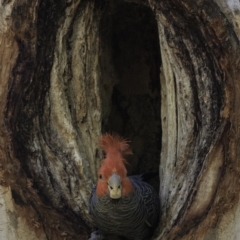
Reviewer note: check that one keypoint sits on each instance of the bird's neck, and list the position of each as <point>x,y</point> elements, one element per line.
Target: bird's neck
<point>127,186</point>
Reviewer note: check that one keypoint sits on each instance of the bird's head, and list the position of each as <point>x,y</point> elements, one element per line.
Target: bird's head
<point>112,175</point>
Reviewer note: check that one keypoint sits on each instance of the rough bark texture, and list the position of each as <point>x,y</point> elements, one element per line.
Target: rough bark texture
<point>164,74</point>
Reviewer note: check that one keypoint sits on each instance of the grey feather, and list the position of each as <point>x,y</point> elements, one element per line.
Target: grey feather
<point>131,216</point>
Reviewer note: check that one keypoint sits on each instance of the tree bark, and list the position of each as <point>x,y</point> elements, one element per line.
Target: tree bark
<point>164,74</point>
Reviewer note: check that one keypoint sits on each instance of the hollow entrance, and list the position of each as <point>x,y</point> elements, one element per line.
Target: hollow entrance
<point>130,64</point>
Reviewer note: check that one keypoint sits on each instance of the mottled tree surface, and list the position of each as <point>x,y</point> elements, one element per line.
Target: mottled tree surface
<point>164,74</point>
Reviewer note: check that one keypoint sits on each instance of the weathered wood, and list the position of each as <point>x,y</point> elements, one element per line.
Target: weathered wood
<point>71,70</point>
<point>47,108</point>
<point>196,39</point>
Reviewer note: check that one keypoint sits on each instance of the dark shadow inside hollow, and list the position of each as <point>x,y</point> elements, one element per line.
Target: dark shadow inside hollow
<point>130,64</point>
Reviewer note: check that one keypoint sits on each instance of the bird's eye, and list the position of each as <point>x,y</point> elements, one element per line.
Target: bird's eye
<point>100,176</point>
<point>111,187</point>
<point>119,187</point>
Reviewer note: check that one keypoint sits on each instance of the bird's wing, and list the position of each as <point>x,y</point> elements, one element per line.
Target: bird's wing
<point>149,199</point>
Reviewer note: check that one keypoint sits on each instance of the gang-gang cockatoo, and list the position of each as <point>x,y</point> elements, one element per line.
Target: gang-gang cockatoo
<point>119,204</point>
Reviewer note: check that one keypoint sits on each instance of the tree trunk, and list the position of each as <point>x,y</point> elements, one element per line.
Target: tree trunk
<point>164,74</point>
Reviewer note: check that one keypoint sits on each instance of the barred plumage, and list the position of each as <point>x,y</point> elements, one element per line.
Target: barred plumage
<point>133,216</point>
<point>122,205</point>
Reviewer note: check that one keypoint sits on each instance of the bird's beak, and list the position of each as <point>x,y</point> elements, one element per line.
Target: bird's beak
<point>115,186</point>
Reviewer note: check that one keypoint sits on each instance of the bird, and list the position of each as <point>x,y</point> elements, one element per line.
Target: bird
<point>122,205</point>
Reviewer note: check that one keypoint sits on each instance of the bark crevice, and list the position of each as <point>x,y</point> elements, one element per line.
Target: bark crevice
<point>81,68</point>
